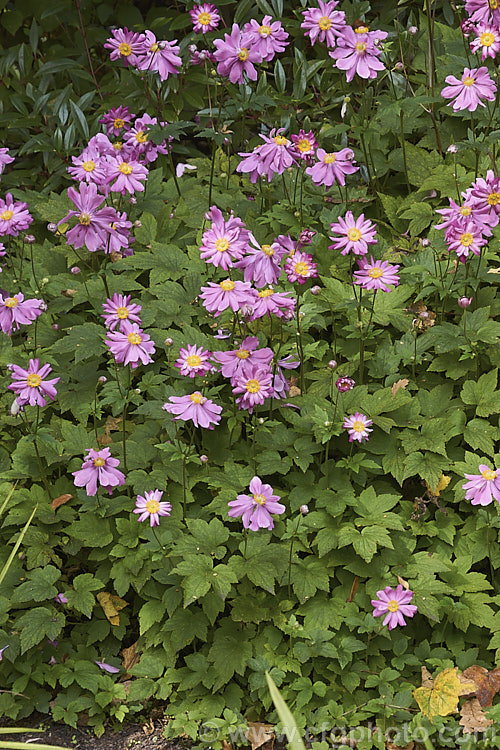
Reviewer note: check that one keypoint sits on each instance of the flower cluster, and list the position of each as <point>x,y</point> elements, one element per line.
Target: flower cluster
<point>144,52</point>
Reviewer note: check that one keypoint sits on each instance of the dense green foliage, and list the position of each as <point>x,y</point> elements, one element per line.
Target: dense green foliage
<point>209,607</point>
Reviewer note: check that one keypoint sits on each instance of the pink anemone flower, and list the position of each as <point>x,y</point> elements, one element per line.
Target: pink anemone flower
<point>356,234</point>
<point>99,468</point>
<point>469,92</point>
<point>483,488</point>
<point>394,603</point>
<point>256,509</point>
<point>30,385</point>
<point>130,345</point>
<point>150,506</point>
<point>15,311</point>
<point>235,56</point>
<point>196,408</point>
<point>332,167</point>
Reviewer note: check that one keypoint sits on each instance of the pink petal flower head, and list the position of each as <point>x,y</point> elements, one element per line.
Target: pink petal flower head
<point>395,605</point>
<point>469,92</point>
<point>138,143</point>
<point>377,274</point>
<point>270,302</point>
<point>358,426</point>
<point>129,175</point>
<point>267,38</point>
<point>90,166</point>
<point>117,119</point>
<point>130,345</point>
<point>252,163</point>
<point>195,407</point>
<point>94,223</point>
<point>465,238</point>
<point>61,599</point>
<point>195,360</point>
<point>118,310</point>
<point>5,158</point>
<point>255,384</point>
<point>205,17</point>
<point>487,41</point>
<point>106,667</point>
<point>332,167</point>
<point>125,45</point>
<point>150,506</point>
<point>464,302</point>
<point>483,488</point>
<point>225,242</point>
<point>261,264</point>
<point>99,468</point>
<point>272,157</point>
<point>355,234</point>
<point>235,56</point>
<point>247,353</point>
<point>323,24</point>
<point>233,294</point>
<point>483,11</point>
<point>300,267</point>
<point>16,311</point>
<point>358,52</point>
<point>159,57</point>
<point>14,216</point>
<point>256,509</point>
<point>30,385</point>
<point>344,384</point>
<point>479,207</point>
<point>484,195</point>
<point>304,145</point>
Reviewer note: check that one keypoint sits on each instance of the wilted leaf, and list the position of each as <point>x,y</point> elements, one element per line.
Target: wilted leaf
<point>493,270</point>
<point>473,718</point>
<point>111,605</point>
<point>112,423</point>
<point>130,657</point>
<point>69,292</point>
<point>487,683</point>
<point>427,680</point>
<point>399,384</point>
<point>259,734</point>
<point>354,588</point>
<point>406,586</point>
<point>441,485</point>
<point>58,501</point>
<point>442,698</point>
<point>294,391</point>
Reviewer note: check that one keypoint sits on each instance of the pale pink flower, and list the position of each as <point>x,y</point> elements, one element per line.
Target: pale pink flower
<point>358,53</point>
<point>247,353</point>
<point>195,360</point>
<point>233,294</point>
<point>469,92</point>
<point>236,56</point>
<point>205,17</point>
<point>394,603</point>
<point>487,41</point>
<point>267,38</point>
<point>483,488</point>
<point>332,167</point>
<point>125,45</point>
<point>358,427</point>
<point>323,24</point>
<point>256,509</point>
<point>300,267</point>
<point>376,274</point>
<point>254,384</point>
<point>194,407</point>
<point>356,234</point>
<point>149,506</point>
<point>118,310</point>
<point>160,57</point>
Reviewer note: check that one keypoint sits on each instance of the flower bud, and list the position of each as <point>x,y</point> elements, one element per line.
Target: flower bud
<point>132,200</point>
<point>15,408</point>
<point>413,30</point>
<point>29,239</point>
<point>467,27</point>
<point>203,459</point>
<point>304,509</point>
<point>52,227</point>
<point>464,301</point>
<point>426,242</point>
<point>332,364</point>
<point>102,379</point>
<point>452,148</point>
<point>192,48</point>
<point>75,270</point>
<point>45,280</point>
<point>315,290</point>
<point>55,326</point>
<point>137,390</point>
<point>168,342</point>
<point>137,223</point>
<point>246,311</point>
<point>399,65</point>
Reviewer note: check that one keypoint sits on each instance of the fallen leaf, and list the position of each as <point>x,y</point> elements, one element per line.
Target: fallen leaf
<point>493,270</point>
<point>130,657</point>
<point>427,680</point>
<point>487,683</point>
<point>69,292</point>
<point>354,588</point>
<point>294,391</point>
<point>58,501</point>
<point>226,745</point>
<point>111,605</point>
<point>148,728</point>
<point>104,440</point>
<point>259,734</point>
<point>111,423</point>
<point>473,718</point>
<point>399,384</point>
<point>392,746</point>
<point>441,485</point>
<point>442,698</point>
<point>406,586</point>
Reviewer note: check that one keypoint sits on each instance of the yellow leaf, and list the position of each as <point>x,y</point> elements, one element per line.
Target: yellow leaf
<point>441,485</point>
<point>111,605</point>
<point>442,698</point>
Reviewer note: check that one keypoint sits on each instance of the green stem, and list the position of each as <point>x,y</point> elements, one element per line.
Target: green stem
<point>291,553</point>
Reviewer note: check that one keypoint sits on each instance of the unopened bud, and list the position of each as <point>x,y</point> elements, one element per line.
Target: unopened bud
<point>304,509</point>
<point>192,48</point>
<point>52,227</point>
<point>15,408</point>
<point>452,148</point>
<point>137,223</point>
<point>464,301</point>
<point>29,239</point>
<point>168,342</point>
<point>45,280</point>
<point>399,66</point>
<point>413,30</point>
<point>332,364</point>
<point>132,200</point>
<point>55,326</point>
<point>102,379</point>
<point>203,459</point>
<point>315,290</point>
<point>426,242</point>
<point>75,270</point>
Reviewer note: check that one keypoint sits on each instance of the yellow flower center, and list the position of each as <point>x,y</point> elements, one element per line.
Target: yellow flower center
<point>122,313</point>
<point>304,145</point>
<point>465,211</point>
<point>392,605</point>
<point>33,380</point>
<point>489,475</point>
<point>227,285</point>
<point>259,499</point>
<point>99,461</point>
<point>6,215</point>
<point>268,250</point>
<point>375,273</point>
<point>280,140</point>
<point>221,245</point>
<point>266,292</point>
<point>154,47</point>
<point>243,54</point>
<point>324,23</point>
<point>125,49</point>
<point>486,39</point>
<point>197,398</point>
<point>493,199</point>
<point>301,268</point>
<point>329,158</point>
<point>360,46</point>
<point>152,506</point>
<point>253,386</point>
<point>118,145</point>
<point>264,30</point>
<point>466,239</point>
<point>358,426</point>
<point>118,123</point>
<point>204,19</point>
<point>141,136</point>
<point>84,219</point>
<point>134,338</point>
<point>243,354</point>
<point>493,4</point>
<point>468,81</point>
<point>193,360</point>
<point>11,302</point>
<point>361,30</point>
<point>354,234</point>
<point>125,168</point>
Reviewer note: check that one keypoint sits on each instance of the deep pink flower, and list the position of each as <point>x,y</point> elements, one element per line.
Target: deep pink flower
<point>344,384</point>
<point>61,599</point>
<point>255,384</point>
<point>261,264</point>
<point>130,345</point>
<point>129,175</point>
<point>150,506</point>
<point>332,167</point>
<point>464,302</point>
<point>466,238</point>
<point>483,488</point>
<point>125,45</point>
<point>236,56</point>
<point>5,158</point>
<point>394,603</point>
<point>99,468</point>
<point>15,311</point>
<point>480,210</point>
<point>234,294</point>
<point>484,196</point>
<point>269,303</point>
<point>247,353</point>
<point>356,234</point>
<point>324,23</point>
<point>117,119</point>
<point>14,216</point>
<point>137,140</point>
<point>304,145</point>
<point>474,86</point>
<point>225,241</point>
<point>256,509</point>
<point>252,163</point>
<point>487,41</point>
<point>90,166</point>
<point>159,57</point>
<point>195,360</point>
<point>376,274</point>
<point>202,411</point>
<point>30,386</point>
<point>276,154</point>
<point>94,223</point>
<point>483,11</point>
<point>106,667</point>
<point>205,17</point>
<point>358,426</point>
<point>267,38</point>
<point>118,310</point>
<point>300,267</point>
<point>359,53</point>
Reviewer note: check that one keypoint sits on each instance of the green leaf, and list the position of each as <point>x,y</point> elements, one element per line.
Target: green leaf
<point>481,435</point>
<point>81,598</point>
<point>37,624</point>
<point>150,613</point>
<point>39,585</point>
<point>483,394</point>
<point>308,576</point>
<point>230,652</point>
<point>91,530</point>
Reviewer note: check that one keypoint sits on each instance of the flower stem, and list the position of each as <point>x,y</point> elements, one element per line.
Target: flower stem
<point>291,552</point>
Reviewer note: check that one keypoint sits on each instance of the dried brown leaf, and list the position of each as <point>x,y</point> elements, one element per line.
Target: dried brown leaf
<point>354,588</point>
<point>58,501</point>
<point>294,391</point>
<point>111,605</point>
<point>473,718</point>
<point>69,292</point>
<point>130,657</point>
<point>427,680</point>
<point>399,384</point>
<point>259,734</point>
<point>488,683</point>
<point>405,585</point>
